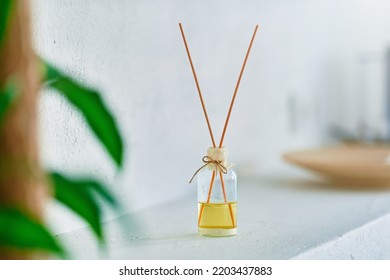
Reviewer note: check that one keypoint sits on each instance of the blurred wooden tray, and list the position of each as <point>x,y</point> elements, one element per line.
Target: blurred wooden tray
<point>351,164</point>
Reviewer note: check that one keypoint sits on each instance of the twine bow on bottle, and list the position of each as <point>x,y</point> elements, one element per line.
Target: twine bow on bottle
<point>208,161</point>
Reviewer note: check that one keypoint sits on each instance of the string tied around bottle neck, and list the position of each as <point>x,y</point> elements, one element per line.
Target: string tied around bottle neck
<point>215,160</point>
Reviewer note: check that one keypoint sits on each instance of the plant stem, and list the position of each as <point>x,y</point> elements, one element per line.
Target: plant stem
<point>21,177</point>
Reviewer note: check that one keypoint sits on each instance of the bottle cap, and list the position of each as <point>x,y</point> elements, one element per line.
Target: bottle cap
<point>218,154</point>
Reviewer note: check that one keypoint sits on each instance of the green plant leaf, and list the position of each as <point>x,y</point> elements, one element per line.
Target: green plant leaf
<point>99,189</point>
<point>80,196</point>
<point>91,105</point>
<point>5,11</point>
<point>7,96</point>
<point>17,230</point>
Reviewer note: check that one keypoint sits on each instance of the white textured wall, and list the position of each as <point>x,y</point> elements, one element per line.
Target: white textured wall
<point>300,77</point>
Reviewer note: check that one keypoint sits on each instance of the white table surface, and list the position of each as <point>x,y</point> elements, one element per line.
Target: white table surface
<point>278,218</point>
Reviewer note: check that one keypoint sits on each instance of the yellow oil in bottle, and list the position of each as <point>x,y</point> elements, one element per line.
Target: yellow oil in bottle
<point>217,219</point>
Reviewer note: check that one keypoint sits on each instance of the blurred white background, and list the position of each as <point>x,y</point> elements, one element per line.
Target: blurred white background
<point>314,65</point>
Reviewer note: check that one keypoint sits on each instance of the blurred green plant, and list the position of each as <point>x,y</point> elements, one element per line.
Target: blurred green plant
<point>80,194</point>
<point>5,8</point>
<point>17,229</point>
<point>7,96</point>
<point>20,231</point>
<point>93,109</point>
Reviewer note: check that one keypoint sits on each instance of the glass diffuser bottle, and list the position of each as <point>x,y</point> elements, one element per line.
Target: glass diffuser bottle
<point>217,195</point>
<point>216,180</point>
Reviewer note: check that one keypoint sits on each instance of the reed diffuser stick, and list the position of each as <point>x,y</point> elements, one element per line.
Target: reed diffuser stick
<point>197,85</point>
<point>237,85</point>
<point>205,114</point>
<point>208,197</point>
<point>229,113</point>
<point>225,199</point>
